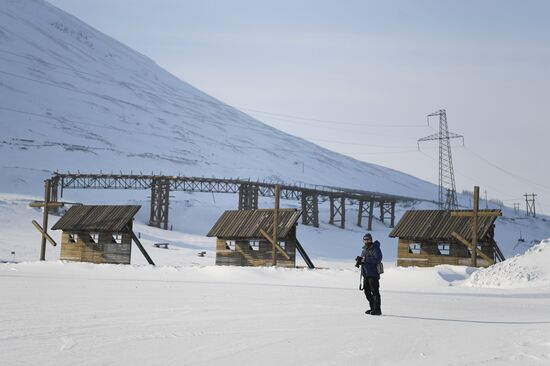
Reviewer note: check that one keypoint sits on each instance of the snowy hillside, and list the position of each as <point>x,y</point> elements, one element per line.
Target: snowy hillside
<point>75,99</point>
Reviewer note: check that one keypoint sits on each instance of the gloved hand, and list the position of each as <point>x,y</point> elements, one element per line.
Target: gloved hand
<point>358,261</point>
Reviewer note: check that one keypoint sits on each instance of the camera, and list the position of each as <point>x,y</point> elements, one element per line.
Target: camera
<point>358,261</point>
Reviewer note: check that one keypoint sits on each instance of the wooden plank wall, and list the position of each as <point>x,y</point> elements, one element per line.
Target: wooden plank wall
<point>244,256</point>
<point>105,251</point>
<point>429,255</point>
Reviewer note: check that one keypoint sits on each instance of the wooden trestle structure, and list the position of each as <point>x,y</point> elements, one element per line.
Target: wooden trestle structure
<point>310,197</point>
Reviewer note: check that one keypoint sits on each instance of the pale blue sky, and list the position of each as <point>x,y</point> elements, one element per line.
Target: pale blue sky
<point>365,63</point>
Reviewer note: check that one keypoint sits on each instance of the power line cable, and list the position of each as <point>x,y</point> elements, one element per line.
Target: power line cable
<point>506,171</point>
<point>329,121</point>
<point>471,179</point>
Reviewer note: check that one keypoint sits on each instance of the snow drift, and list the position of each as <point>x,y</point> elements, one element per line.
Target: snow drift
<point>531,269</point>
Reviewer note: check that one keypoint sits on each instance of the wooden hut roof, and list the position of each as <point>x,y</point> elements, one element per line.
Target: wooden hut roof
<point>97,218</point>
<point>439,224</point>
<point>246,224</point>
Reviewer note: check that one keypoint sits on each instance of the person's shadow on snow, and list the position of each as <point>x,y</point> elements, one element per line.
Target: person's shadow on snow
<point>466,320</point>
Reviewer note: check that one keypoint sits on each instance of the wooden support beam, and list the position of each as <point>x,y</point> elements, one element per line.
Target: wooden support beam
<point>275,244</point>
<point>360,215</point>
<point>474,226</point>
<point>471,214</point>
<point>50,204</point>
<point>392,212</point>
<point>331,217</point>
<point>47,190</point>
<point>304,255</point>
<point>343,212</point>
<point>48,237</point>
<point>276,222</point>
<point>469,245</point>
<point>371,214</point>
<point>310,209</point>
<point>142,249</point>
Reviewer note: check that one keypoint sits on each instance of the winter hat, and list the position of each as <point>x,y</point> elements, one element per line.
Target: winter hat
<point>367,236</point>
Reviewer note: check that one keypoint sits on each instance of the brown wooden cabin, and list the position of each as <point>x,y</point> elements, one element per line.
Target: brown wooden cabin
<point>426,240</point>
<point>97,234</point>
<point>240,242</point>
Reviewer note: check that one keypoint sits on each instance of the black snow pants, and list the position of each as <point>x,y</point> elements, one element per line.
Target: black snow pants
<point>371,286</point>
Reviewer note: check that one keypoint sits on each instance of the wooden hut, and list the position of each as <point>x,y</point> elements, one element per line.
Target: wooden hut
<point>240,242</point>
<point>425,239</point>
<point>97,234</point>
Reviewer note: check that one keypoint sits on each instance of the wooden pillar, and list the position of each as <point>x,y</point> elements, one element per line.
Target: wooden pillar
<point>160,202</point>
<point>474,226</point>
<point>310,208</point>
<point>47,190</point>
<point>152,213</point>
<point>315,203</point>
<point>331,218</point>
<point>392,222</point>
<point>248,197</point>
<point>343,212</point>
<point>381,203</point>
<point>303,199</point>
<point>241,196</point>
<point>360,214</point>
<point>275,224</point>
<point>54,183</point>
<point>371,214</point>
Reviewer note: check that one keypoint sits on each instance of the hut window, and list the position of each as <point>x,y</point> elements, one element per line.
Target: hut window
<point>444,249</point>
<point>73,238</point>
<point>117,238</point>
<point>282,244</point>
<point>230,244</point>
<point>94,238</point>
<point>414,248</point>
<point>254,245</point>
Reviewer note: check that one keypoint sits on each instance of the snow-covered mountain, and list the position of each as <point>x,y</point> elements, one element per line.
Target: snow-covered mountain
<point>76,99</point>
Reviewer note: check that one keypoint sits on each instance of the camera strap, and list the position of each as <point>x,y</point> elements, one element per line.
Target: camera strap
<point>361,281</point>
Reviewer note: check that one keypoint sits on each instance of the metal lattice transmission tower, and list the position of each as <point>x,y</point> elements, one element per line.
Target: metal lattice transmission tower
<point>447,188</point>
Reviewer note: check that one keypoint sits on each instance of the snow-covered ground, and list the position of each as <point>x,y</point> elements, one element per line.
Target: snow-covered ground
<point>187,311</point>
<point>57,313</point>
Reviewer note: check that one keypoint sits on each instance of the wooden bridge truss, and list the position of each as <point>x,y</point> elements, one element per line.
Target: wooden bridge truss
<point>310,197</point>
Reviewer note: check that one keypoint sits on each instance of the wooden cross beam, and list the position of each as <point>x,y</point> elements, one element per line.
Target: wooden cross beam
<point>275,244</point>
<point>44,233</point>
<point>474,214</point>
<point>469,245</point>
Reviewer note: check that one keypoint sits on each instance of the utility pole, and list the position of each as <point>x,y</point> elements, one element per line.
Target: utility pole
<point>276,223</point>
<point>273,238</point>
<point>474,214</point>
<point>486,202</point>
<point>447,188</point>
<point>530,204</point>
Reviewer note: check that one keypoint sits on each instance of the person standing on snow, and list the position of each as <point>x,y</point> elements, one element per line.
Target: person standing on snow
<point>370,260</point>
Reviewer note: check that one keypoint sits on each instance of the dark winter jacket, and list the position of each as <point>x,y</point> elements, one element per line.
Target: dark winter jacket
<point>372,255</point>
